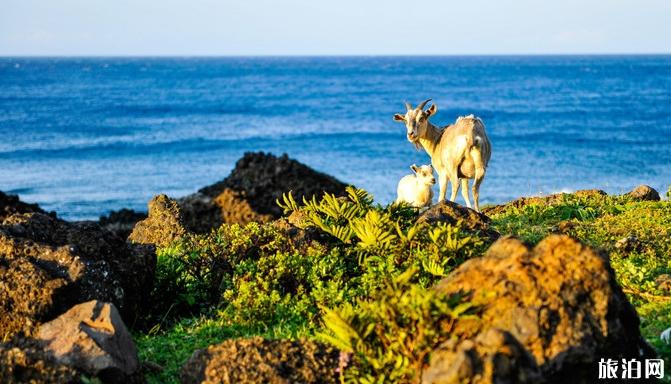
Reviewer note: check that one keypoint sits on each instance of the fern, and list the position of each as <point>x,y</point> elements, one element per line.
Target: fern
<point>288,204</point>
<point>375,230</point>
<point>391,335</point>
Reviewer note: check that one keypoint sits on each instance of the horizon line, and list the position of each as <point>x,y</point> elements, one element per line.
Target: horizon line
<point>214,56</point>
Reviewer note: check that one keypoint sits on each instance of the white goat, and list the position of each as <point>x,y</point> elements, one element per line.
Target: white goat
<point>459,151</point>
<point>416,189</point>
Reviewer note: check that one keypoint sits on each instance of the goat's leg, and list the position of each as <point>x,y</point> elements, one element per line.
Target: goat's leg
<point>479,176</point>
<point>464,191</point>
<point>454,181</point>
<point>442,180</point>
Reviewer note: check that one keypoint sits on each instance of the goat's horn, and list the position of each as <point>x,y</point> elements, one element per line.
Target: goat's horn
<point>408,106</point>
<point>423,104</point>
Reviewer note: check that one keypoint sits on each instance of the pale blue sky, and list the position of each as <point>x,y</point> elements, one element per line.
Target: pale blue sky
<point>350,27</point>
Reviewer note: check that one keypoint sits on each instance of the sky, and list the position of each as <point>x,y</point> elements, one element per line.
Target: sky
<point>334,27</point>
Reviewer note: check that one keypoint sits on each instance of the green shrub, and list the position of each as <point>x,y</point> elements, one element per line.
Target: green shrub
<point>391,335</point>
<point>257,274</point>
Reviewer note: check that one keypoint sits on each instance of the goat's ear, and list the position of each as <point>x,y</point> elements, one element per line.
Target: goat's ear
<point>431,110</point>
<point>399,117</point>
<point>414,168</point>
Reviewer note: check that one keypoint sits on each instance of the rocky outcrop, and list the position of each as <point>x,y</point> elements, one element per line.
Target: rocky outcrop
<point>541,200</point>
<point>644,193</point>
<point>256,360</point>
<point>453,213</point>
<point>559,300</point>
<point>92,338</point>
<point>250,191</point>
<point>202,212</point>
<point>25,361</point>
<point>10,204</point>
<point>121,222</point>
<point>163,225</point>
<point>47,265</point>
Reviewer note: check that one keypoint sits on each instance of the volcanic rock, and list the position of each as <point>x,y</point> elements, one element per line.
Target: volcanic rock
<point>256,360</point>
<point>92,338</point>
<point>10,204</point>
<point>494,356</point>
<point>164,224</point>
<point>250,192</point>
<point>24,360</point>
<point>559,300</point>
<point>644,193</point>
<point>121,222</point>
<point>47,265</point>
<point>453,213</point>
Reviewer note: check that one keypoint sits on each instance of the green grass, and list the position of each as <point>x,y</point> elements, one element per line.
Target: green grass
<point>172,348</point>
<point>348,266</point>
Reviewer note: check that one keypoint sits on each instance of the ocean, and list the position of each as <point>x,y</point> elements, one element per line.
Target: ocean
<point>83,136</point>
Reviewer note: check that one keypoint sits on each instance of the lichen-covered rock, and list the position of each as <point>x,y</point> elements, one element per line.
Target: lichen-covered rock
<point>121,222</point>
<point>92,338</point>
<point>47,265</point>
<point>28,294</point>
<point>256,360</point>
<point>250,192</point>
<point>203,212</point>
<point>559,300</point>
<point>542,200</point>
<point>644,193</point>
<point>663,282</point>
<point>163,225</point>
<point>494,356</point>
<point>452,213</point>
<point>25,361</point>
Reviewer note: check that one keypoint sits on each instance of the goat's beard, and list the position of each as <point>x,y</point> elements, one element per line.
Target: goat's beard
<point>417,144</point>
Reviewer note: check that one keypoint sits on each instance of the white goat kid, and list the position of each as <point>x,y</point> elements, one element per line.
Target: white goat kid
<point>458,152</point>
<point>416,189</point>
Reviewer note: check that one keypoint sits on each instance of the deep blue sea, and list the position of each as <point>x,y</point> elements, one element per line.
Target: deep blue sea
<point>82,136</point>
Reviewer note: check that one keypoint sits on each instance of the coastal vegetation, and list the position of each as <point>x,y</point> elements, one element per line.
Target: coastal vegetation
<point>358,276</point>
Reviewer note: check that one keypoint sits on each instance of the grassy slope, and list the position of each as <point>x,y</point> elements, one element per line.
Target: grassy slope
<point>598,221</point>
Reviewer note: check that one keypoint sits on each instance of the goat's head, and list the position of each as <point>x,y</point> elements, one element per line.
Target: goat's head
<point>416,120</point>
<point>424,174</point>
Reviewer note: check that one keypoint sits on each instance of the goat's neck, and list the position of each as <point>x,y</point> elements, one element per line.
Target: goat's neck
<point>431,138</point>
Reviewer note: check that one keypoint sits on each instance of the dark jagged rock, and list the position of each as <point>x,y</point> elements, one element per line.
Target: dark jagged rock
<point>92,338</point>
<point>453,213</point>
<point>559,300</point>
<point>47,265</point>
<point>541,200</point>
<point>10,204</point>
<point>25,361</point>
<point>256,360</point>
<point>250,192</point>
<point>644,193</point>
<point>121,222</point>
